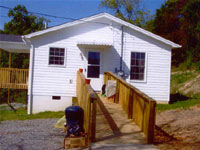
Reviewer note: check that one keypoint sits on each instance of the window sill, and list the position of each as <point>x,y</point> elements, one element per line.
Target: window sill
<point>58,66</point>
<point>137,81</point>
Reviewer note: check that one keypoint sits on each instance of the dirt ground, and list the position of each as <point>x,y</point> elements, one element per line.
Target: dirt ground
<point>178,129</point>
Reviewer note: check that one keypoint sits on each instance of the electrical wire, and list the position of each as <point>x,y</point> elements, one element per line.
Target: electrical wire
<point>4,16</point>
<point>53,16</point>
<point>47,15</point>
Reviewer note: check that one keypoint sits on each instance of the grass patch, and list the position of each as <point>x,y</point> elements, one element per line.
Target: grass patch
<point>178,80</point>
<point>21,114</point>
<point>178,98</point>
<point>179,104</point>
<point>183,77</point>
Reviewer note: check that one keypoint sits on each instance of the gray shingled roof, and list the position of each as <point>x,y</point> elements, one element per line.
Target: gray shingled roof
<point>11,38</point>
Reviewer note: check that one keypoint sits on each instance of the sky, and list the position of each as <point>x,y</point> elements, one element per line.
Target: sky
<point>65,8</point>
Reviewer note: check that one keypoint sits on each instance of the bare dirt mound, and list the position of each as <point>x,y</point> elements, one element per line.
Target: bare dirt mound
<point>178,129</point>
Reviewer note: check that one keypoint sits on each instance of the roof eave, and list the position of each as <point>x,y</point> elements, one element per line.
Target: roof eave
<point>87,19</point>
<point>176,46</point>
<point>15,47</point>
<point>150,34</point>
<point>108,16</point>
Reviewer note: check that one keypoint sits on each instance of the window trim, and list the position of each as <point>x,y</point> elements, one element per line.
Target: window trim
<point>145,68</point>
<point>65,56</point>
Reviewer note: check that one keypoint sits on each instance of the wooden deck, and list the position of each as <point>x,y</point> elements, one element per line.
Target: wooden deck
<point>14,78</point>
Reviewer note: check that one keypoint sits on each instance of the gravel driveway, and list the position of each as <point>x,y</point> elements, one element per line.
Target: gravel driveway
<point>36,134</point>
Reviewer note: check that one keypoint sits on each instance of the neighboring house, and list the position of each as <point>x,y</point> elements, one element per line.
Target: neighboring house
<point>97,44</point>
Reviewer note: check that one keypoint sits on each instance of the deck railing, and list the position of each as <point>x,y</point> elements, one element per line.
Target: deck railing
<point>14,78</point>
<point>138,106</point>
<point>87,101</point>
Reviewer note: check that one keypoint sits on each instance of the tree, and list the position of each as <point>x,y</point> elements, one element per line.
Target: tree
<point>149,24</point>
<point>22,22</point>
<point>1,31</point>
<point>167,25</point>
<point>128,10</point>
<point>191,25</point>
<point>178,21</point>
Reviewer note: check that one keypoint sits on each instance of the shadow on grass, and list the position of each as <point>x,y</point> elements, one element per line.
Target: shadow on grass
<point>177,97</point>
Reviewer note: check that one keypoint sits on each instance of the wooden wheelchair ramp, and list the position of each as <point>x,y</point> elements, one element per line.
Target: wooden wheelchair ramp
<point>114,130</point>
<point>106,120</point>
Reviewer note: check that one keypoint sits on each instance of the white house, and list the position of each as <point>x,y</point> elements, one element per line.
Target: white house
<point>97,44</point>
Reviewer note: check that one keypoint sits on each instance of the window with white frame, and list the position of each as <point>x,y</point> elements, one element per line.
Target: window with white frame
<point>137,70</point>
<point>56,56</point>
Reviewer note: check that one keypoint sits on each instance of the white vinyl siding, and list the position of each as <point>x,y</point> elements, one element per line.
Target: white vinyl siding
<point>158,64</point>
<point>61,81</point>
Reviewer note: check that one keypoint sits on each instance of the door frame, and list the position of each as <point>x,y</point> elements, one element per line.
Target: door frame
<point>101,65</point>
<point>86,62</point>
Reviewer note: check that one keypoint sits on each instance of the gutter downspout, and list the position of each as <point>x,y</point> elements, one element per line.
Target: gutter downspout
<point>122,46</point>
<point>31,79</point>
<point>30,84</point>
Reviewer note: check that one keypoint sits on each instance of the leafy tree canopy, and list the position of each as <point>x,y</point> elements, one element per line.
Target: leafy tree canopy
<point>22,22</point>
<point>128,10</point>
<point>179,21</point>
<point>191,27</point>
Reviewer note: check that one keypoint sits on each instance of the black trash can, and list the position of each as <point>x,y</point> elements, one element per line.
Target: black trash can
<point>74,117</point>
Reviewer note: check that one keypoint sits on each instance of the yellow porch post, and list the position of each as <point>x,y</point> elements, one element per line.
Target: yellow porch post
<point>9,65</point>
<point>10,59</point>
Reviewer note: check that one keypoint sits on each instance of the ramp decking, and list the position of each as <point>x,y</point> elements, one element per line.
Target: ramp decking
<point>113,129</point>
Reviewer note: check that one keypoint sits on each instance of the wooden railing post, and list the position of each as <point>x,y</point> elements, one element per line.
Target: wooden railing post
<point>9,66</point>
<point>10,60</point>
<point>87,100</point>
<point>130,105</point>
<point>117,92</point>
<point>93,122</point>
<point>105,78</point>
<point>151,121</point>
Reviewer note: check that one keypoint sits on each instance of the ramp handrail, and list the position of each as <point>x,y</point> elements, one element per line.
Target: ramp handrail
<point>87,100</point>
<point>138,106</point>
